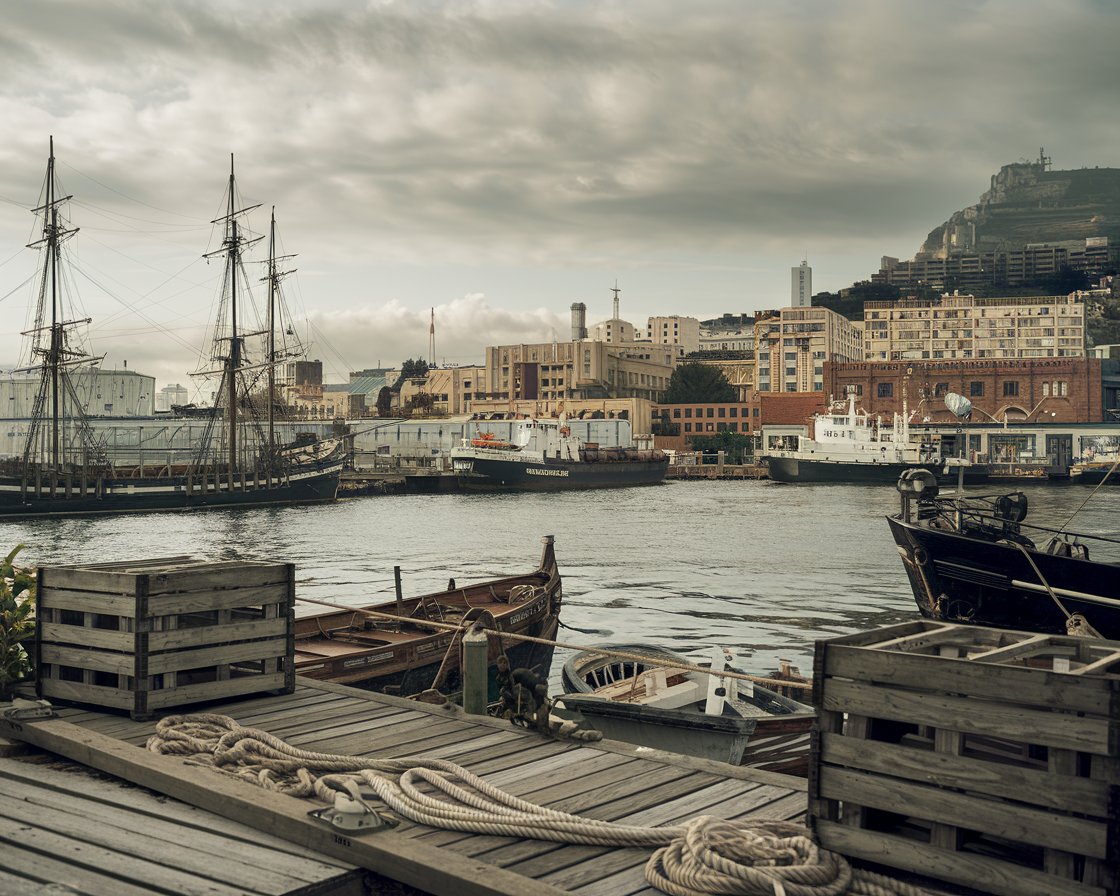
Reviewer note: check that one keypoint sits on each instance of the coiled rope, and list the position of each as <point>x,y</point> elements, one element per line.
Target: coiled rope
<point>705,856</point>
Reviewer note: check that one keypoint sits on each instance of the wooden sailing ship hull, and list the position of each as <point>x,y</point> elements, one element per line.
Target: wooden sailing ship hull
<point>390,648</point>
<point>46,495</point>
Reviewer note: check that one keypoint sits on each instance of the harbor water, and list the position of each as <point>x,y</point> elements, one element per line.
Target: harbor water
<point>761,568</point>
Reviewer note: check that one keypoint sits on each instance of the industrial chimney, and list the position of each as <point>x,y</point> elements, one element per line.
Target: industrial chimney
<point>579,321</point>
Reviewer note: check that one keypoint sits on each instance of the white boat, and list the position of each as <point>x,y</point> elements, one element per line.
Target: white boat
<point>691,712</point>
<point>850,445</point>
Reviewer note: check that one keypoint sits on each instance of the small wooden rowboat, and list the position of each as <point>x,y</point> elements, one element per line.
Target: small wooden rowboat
<point>695,713</point>
<point>395,649</point>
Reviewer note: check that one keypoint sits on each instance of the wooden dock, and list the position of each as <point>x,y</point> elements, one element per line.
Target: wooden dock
<point>608,781</point>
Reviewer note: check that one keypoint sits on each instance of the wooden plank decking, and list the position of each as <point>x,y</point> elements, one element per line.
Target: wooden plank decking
<point>609,781</point>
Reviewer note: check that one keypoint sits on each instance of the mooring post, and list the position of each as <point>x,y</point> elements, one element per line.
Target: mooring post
<point>400,597</point>
<point>476,646</point>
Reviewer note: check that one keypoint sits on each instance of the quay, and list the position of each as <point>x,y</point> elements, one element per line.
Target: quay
<point>91,850</point>
<point>717,471</point>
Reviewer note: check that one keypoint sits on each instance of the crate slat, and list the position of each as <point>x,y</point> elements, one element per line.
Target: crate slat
<point>974,871</point>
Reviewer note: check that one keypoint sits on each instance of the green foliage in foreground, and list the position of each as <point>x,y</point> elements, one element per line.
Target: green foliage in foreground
<point>17,623</point>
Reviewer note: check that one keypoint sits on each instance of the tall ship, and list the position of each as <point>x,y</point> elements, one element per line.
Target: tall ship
<point>543,455</point>
<point>64,470</point>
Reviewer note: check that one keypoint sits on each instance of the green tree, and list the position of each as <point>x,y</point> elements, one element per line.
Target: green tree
<point>411,368</point>
<point>17,623</point>
<point>384,401</point>
<point>699,383</point>
<point>738,447</point>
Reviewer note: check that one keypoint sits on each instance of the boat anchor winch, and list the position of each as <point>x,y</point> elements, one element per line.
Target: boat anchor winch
<point>353,814</point>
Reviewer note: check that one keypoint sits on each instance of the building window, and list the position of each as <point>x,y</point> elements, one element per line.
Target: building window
<point>711,412</point>
<point>676,413</point>
<point>732,412</point>
<point>940,389</point>
<point>885,390</point>
<point>688,413</point>
<point>721,412</point>
<point>1046,390</point>
<point>1011,389</point>
<point>976,389</point>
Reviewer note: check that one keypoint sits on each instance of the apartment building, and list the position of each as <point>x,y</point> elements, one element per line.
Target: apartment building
<point>792,344</point>
<point>963,327</point>
<point>1092,256</point>
<point>683,332</point>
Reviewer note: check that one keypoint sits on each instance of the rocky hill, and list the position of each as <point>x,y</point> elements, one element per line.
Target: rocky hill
<point>1028,202</point>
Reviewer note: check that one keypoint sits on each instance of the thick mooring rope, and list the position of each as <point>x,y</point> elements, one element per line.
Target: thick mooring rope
<point>703,857</point>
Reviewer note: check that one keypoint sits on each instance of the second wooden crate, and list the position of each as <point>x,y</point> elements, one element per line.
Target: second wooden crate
<point>975,756</point>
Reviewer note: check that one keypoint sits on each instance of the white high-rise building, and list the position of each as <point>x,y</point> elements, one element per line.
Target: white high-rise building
<point>801,290</point>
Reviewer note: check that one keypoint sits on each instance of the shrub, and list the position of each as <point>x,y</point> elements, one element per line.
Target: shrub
<point>17,622</point>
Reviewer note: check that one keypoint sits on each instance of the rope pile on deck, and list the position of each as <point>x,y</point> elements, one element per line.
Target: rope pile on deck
<point>704,856</point>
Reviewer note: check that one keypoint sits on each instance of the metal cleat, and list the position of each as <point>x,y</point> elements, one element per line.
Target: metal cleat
<point>24,710</point>
<point>349,814</point>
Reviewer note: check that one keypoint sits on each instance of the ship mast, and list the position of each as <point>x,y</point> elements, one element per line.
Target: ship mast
<point>271,371</point>
<point>233,246</point>
<point>233,362</point>
<point>275,304</point>
<point>56,356</point>
<point>55,351</point>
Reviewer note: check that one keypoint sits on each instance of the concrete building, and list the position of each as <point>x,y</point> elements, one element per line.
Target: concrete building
<point>965,327</point>
<point>171,396</point>
<point>453,389</point>
<point>682,332</point>
<point>101,393</point>
<point>792,345</point>
<point>614,330</point>
<point>556,371</point>
<point>801,285</point>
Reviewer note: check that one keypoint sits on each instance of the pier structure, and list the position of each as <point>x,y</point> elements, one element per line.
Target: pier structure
<point>606,780</point>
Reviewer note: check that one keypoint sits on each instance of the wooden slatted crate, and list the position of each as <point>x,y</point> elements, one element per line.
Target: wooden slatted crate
<point>975,756</point>
<point>148,635</point>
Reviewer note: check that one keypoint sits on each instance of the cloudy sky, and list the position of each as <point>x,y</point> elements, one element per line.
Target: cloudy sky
<point>498,160</point>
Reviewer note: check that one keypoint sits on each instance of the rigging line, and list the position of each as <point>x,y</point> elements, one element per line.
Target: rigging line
<point>15,289</point>
<point>327,345</point>
<point>161,302</point>
<point>122,195</point>
<point>121,218</point>
<point>1111,470</point>
<point>134,309</point>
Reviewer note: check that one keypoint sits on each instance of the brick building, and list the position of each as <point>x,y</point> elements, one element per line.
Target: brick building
<point>675,425</point>
<point>1052,390</point>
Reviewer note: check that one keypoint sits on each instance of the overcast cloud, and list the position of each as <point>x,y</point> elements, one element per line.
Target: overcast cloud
<point>498,161</point>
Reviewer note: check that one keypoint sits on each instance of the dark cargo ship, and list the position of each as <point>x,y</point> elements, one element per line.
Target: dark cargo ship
<point>543,455</point>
